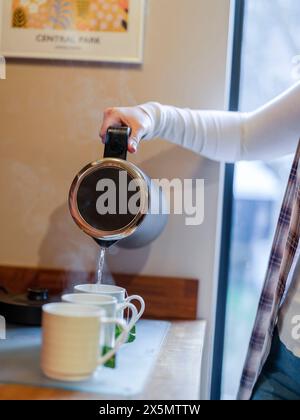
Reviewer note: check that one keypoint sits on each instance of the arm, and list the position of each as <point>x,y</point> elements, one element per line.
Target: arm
<point>270,132</point>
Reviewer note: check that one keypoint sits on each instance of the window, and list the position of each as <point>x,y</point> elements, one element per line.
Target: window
<point>271,45</point>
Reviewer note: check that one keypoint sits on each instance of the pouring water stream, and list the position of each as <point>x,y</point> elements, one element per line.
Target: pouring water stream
<point>100,267</point>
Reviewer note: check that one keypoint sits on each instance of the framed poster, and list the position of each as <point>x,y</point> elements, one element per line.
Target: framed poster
<point>90,30</point>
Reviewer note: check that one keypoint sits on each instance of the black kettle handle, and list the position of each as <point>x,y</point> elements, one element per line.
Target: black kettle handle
<point>116,142</point>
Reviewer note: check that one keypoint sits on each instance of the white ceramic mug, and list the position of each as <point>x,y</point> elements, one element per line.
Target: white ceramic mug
<point>111,308</point>
<point>71,336</point>
<point>118,292</point>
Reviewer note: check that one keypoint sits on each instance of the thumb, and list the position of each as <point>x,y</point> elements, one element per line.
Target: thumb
<point>134,141</point>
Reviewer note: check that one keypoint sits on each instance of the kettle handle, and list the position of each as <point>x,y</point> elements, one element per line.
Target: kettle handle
<point>116,142</point>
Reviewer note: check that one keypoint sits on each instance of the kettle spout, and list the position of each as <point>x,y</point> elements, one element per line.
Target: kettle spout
<point>104,244</point>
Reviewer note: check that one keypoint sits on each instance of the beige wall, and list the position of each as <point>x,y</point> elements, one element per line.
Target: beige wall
<point>49,118</point>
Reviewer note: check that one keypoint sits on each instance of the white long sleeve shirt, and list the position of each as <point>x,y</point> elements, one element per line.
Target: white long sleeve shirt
<point>270,132</point>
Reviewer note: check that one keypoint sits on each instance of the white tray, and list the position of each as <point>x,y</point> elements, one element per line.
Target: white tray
<point>20,362</point>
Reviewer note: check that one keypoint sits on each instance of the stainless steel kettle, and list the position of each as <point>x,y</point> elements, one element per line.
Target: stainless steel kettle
<point>115,177</point>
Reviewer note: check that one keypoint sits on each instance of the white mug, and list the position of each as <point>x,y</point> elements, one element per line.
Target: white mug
<point>70,344</point>
<point>111,308</point>
<point>118,292</point>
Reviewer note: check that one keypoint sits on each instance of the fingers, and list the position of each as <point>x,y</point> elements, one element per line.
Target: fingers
<point>130,117</point>
<point>110,119</point>
<point>132,145</point>
<point>134,140</point>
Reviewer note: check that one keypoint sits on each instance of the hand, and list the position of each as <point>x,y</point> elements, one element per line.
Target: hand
<point>133,117</point>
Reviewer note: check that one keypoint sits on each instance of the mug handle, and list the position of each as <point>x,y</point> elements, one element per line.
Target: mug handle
<point>119,342</point>
<point>142,302</point>
<point>134,313</point>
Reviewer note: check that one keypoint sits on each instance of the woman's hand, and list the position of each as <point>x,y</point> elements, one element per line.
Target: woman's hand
<point>133,117</point>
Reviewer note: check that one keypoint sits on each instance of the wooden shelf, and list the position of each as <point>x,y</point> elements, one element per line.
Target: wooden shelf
<point>165,297</point>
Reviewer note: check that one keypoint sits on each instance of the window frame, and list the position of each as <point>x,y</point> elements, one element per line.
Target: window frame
<point>227,211</point>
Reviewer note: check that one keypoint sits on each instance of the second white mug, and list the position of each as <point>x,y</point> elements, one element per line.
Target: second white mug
<point>118,292</point>
<point>111,308</point>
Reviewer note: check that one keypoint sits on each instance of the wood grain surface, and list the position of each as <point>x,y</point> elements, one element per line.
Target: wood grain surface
<point>165,297</point>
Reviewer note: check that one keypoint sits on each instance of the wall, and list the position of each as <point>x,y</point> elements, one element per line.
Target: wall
<point>49,120</point>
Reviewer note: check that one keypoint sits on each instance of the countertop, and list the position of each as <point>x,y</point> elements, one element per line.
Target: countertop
<point>176,375</point>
